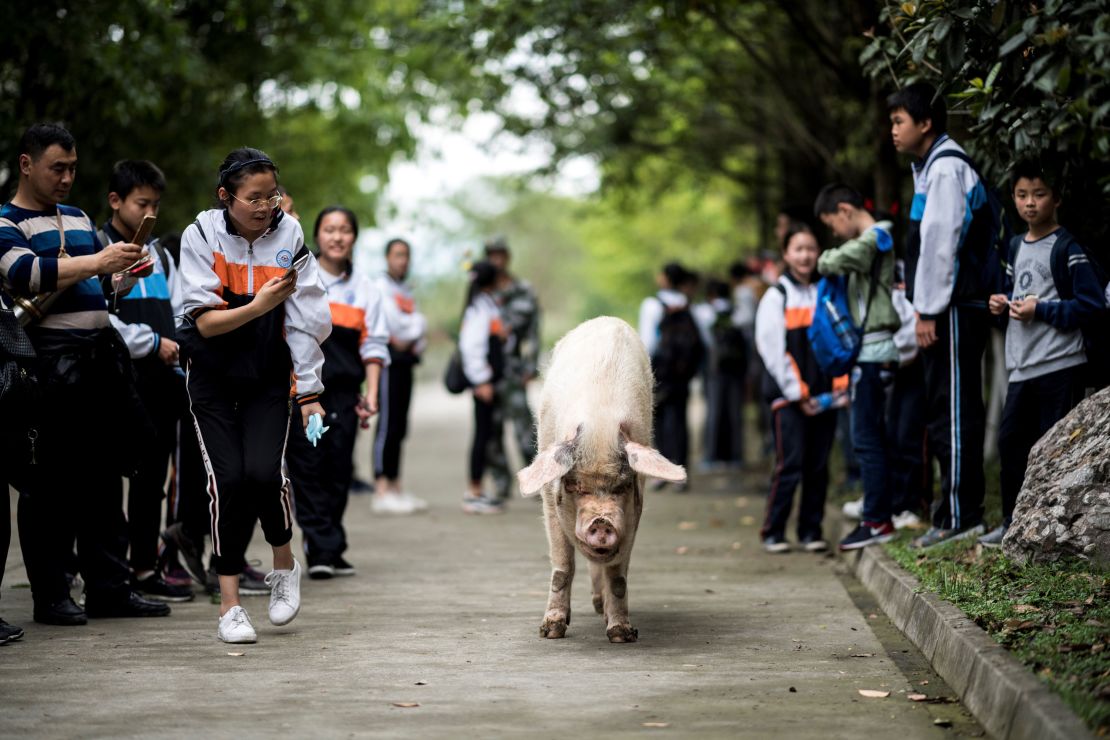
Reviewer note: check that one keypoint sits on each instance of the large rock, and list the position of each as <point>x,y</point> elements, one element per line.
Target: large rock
<point>1063,510</point>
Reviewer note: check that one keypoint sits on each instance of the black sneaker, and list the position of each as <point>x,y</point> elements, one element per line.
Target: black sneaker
<point>776,544</point>
<point>993,538</point>
<point>191,551</point>
<point>9,632</point>
<point>937,536</point>
<point>814,543</point>
<point>343,568</point>
<point>132,605</point>
<point>321,570</point>
<point>253,582</point>
<point>64,613</point>
<point>155,587</point>
<point>361,487</point>
<point>867,533</point>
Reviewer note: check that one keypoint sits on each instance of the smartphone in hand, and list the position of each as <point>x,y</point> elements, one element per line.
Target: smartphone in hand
<point>296,267</point>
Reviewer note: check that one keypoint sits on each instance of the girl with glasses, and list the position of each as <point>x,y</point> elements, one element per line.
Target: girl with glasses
<point>255,316</point>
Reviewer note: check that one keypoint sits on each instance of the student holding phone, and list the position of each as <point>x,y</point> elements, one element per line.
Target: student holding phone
<point>354,354</point>
<point>251,345</point>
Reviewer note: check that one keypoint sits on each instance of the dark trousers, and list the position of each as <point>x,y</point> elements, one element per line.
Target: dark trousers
<point>395,393</point>
<point>321,477</point>
<point>911,475</point>
<point>956,414</point>
<point>189,489</point>
<point>802,445</point>
<point>488,424</point>
<point>672,434</point>
<point>242,429</point>
<point>872,386</point>
<point>162,392</point>
<point>5,529</point>
<point>75,491</point>
<point>724,417</point>
<point>1032,407</point>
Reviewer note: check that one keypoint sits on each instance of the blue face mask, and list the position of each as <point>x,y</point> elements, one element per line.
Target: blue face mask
<point>315,429</point>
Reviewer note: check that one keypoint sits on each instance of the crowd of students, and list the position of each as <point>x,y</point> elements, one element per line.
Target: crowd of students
<point>233,352</point>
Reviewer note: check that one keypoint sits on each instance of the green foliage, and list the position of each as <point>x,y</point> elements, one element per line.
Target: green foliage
<point>324,88</point>
<point>1054,618</point>
<point>1029,79</point>
<point>767,95</point>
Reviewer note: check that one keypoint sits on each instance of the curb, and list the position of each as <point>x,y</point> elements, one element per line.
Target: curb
<point>1007,699</point>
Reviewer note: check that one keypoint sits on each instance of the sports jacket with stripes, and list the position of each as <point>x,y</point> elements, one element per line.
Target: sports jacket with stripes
<point>360,332</point>
<point>220,270</point>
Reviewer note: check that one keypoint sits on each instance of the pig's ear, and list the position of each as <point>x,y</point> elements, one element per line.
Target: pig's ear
<point>551,464</point>
<point>649,462</point>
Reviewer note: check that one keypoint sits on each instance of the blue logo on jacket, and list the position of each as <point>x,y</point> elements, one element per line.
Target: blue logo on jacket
<point>284,258</point>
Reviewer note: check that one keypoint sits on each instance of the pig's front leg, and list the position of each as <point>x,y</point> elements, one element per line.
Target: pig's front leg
<point>561,551</point>
<point>619,629</point>
<point>597,586</point>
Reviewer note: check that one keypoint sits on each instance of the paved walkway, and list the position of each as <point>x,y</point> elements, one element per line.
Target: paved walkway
<point>445,613</point>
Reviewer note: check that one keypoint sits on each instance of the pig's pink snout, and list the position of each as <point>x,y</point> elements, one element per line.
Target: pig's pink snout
<point>601,535</point>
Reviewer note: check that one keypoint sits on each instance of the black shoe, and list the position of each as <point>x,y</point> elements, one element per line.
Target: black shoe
<point>321,570</point>
<point>191,551</point>
<point>132,605</point>
<point>360,487</point>
<point>813,543</point>
<point>9,632</point>
<point>343,568</point>
<point>775,544</point>
<point>64,613</point>
<point>867,533</point>
<point>155,587</point>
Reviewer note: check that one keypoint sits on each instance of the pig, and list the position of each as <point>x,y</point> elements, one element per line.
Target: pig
<point>594,437</point>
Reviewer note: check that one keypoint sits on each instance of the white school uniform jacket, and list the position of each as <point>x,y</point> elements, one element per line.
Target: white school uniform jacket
<point>220,269</point>
<point>481,320</point>
<point>406,323</point>
<point>359,336</point>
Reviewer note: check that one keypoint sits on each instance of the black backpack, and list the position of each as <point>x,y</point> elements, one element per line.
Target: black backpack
<point>731,346</point>
<point>680,351</point>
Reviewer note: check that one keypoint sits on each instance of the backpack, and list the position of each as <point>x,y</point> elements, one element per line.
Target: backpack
<point>1097,374</point>
<point>680,351</point>
<point>833,335</point>
<point>731,346</point>
<point>985,244</point>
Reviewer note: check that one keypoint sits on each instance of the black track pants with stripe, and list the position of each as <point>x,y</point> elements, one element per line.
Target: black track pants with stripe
<point>321,476</point>
<point>242,430</point>
<point>956,414</point>
<point>802,446</point>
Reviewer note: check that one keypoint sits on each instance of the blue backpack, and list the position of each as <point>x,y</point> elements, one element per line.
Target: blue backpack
<point>833,335</point>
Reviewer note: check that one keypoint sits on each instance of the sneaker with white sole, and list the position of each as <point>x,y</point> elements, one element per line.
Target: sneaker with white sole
<point>775,544</point>
<point>343,568</point>
<point>853,509</point>
<point>417,504</point>
<point>867,533</point>
<point>391,503</point>
<point>236,627</point>
<point>937,536</point>
<point>906,520</point>
<point>285,594</point>
<point>481,505</point>
<point>993,538</point>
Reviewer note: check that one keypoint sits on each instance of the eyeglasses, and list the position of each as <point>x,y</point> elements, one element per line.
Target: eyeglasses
<point>260,204</point>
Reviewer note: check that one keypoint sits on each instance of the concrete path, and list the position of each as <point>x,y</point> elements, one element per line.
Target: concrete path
<point>445,611</point>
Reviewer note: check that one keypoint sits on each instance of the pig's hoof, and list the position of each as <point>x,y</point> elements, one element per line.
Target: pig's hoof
<point>599,603</point>
<point>622,633</point>
<point>553,629</point>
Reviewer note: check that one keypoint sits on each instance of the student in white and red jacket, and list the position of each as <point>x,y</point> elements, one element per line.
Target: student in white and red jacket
<point>255,316</point>
<point>354,355</point>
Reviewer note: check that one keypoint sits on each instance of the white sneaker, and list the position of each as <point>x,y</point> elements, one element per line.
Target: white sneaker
<point>236,627</point>
<point>906,520</point>
<point>418,504</point>
<point>285,594</point>
<point>391,503</point>
<point>853,509</point>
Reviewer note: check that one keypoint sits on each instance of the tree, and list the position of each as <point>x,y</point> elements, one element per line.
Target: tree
<point>1023,80</point>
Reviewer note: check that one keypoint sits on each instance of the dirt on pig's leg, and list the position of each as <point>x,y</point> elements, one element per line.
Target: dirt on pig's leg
<point>597,586</point>
<point>619,629</point>
<point>561,551</point>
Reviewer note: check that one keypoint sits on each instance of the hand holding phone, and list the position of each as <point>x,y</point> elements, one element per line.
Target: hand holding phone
<point>296,267</point>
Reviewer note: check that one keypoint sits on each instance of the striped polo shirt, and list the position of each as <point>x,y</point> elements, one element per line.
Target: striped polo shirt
<point>29,242</point>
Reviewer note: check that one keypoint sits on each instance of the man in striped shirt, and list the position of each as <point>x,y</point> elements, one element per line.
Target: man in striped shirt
<point>72,488</point>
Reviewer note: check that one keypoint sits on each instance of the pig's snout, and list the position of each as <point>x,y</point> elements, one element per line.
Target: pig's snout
<point>602,536</point>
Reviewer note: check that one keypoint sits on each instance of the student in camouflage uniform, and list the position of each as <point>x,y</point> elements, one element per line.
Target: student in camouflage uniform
<point>521,311</point>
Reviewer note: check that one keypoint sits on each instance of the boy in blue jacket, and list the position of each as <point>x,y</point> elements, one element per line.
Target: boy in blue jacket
<point>1051,291</point>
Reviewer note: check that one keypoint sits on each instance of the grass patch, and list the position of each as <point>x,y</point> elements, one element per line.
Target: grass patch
<point>1053,618</point>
